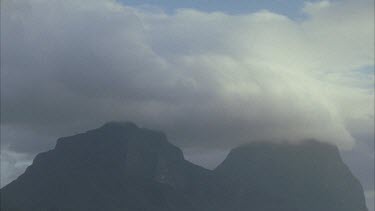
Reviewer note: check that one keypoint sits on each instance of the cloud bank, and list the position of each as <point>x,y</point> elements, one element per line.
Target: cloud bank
<point>207,79</point>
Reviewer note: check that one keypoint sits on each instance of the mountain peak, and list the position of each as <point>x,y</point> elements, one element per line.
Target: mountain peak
<point>311,174</point>
<point>119,124</point>
<point>114,134</point>
<point>311,148</point>
<point>118,166</point>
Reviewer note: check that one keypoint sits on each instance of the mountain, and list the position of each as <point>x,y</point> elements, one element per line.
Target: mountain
<point>116,167</point>
<point>308,176</point>
<point>120,166</point>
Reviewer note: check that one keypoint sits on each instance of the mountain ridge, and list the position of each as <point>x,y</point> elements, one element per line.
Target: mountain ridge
<point>121,166</point>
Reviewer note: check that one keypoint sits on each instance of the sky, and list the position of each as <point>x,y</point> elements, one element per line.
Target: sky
<point>289,8</point>
<point>211,74</point>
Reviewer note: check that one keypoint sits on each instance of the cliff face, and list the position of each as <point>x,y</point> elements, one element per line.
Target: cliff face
<point>122,167</point>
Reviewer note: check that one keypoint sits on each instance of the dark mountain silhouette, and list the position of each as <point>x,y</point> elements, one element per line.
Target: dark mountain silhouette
<point>309,176</point>
<point>120,166</point>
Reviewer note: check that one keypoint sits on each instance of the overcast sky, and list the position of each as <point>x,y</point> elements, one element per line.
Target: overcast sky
<point>211,74</point>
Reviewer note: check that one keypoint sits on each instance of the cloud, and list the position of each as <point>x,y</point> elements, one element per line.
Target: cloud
<point>12,165</point>
<point>207,79</point>
<point>206,158</point>
<point>370,197</point>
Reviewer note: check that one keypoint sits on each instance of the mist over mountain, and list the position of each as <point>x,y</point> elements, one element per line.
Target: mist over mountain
<point>121,166</point>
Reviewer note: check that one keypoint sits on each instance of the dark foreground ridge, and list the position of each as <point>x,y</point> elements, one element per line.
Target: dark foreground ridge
<point>121,167</point>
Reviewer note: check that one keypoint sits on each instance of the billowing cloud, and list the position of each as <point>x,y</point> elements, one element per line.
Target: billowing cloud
<point>12,165</point>
<point>206,79</point>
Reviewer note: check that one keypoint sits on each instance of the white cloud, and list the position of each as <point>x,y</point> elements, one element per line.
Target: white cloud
<point>12,165</point>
